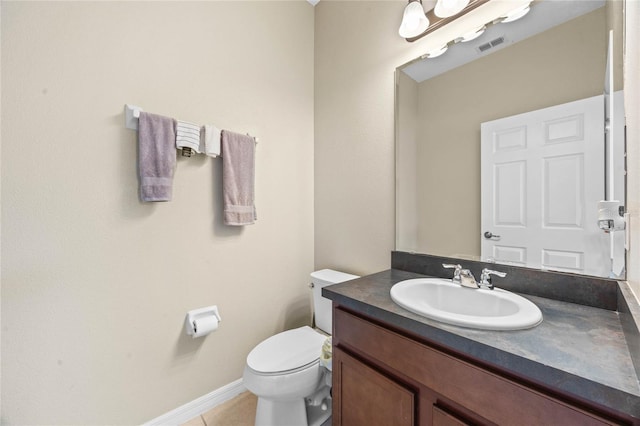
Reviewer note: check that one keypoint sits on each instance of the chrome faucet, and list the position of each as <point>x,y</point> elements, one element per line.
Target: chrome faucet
<point>465,277</point>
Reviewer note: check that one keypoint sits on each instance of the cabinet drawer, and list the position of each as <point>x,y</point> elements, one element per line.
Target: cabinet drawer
<point>493,397</point>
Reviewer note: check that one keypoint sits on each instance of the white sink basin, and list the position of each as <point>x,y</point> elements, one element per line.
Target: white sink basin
<point>442,300</point>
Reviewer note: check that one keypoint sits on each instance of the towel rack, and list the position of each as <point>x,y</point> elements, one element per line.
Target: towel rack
<point>132,114</point>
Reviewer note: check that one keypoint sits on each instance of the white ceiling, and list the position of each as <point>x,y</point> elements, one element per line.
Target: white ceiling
<point>543,16</point>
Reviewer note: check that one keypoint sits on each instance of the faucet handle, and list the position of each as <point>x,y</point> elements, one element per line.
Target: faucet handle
<point>456,273</point>
<point>485,277</point>
<point>451,265</point>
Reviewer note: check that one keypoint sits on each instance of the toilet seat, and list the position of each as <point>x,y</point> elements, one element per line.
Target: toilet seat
<point>287,352</point>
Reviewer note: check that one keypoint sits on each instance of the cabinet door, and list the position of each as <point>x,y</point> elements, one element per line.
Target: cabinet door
<point>364,397</point>
<point>443,418</point>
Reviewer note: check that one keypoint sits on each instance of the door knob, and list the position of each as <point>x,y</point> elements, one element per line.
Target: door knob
<point>488,235</point>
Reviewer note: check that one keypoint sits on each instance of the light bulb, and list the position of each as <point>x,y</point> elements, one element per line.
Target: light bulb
<point>446,8</point>
<point>516,13</point>
<point>414,21</point>
<point>471,35</point>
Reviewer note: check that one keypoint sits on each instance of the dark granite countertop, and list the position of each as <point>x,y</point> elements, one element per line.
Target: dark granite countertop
<point>580,350</point>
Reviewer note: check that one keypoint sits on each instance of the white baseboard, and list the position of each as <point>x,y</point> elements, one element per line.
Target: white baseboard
<point>199,406</point>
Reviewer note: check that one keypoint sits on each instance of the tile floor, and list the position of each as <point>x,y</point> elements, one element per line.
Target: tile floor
<point>239,411</point>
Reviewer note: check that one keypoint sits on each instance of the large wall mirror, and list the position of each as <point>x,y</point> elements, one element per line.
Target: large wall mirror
<point>456,196</point>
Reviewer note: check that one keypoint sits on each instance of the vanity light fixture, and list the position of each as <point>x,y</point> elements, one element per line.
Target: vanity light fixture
<point>469,35</point>
<point>446,8</point>
<point>422,23</point>
<point>417,24</point>
<point>414,20</point>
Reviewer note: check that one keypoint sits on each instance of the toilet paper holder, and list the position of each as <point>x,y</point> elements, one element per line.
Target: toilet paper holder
<point>195,316</point>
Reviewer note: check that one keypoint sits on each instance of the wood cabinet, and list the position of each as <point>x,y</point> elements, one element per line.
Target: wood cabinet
<point>371,397</point>
<point>383,377</point>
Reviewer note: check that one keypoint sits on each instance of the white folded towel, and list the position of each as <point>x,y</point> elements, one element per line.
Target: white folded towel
<point>210,140</point>
<point>187,135</point>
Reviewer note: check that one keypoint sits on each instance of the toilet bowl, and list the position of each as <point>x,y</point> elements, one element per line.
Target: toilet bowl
<point>285,371</point>
<point>282,371</point>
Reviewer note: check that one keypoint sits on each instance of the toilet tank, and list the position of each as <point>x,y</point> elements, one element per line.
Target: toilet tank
<point>322,305</point>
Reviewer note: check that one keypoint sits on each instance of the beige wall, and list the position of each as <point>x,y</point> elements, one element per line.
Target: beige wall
<point>95,284</point>
<point>356,51</point>
<point>535,73</point>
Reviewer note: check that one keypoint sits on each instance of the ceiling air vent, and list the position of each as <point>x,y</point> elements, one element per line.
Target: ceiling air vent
<point>493,43</point>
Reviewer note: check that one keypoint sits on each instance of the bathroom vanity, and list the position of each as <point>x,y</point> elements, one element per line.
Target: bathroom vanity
<point>393,367</point>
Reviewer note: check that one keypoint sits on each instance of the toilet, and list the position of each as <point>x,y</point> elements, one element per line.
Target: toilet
<point>286,372</point>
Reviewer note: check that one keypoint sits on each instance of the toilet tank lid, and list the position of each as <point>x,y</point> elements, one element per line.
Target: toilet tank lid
<point>331,276</point>
<point>286,351</point>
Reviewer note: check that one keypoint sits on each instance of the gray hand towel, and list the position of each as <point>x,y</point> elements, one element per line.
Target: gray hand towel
<point>238,174</point>
<point>157,156</point>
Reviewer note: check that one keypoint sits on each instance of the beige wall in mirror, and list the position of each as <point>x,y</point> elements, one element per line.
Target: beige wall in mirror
<point>438,124</point>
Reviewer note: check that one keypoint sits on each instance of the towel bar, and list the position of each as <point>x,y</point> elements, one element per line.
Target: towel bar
<point>132,113</point>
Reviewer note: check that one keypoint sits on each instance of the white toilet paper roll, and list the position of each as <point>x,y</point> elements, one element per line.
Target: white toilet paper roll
<point>204,325</point>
